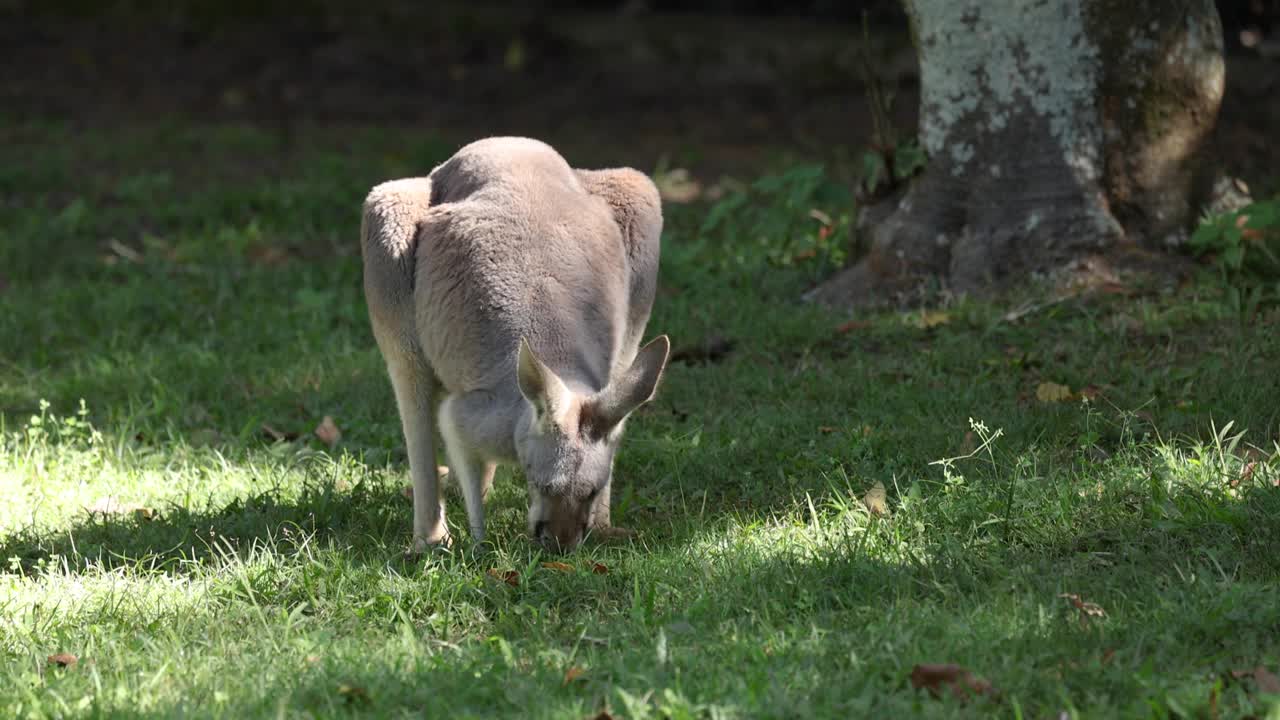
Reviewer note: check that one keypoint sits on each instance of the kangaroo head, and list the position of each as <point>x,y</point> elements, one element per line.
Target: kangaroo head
<point>567,444</point>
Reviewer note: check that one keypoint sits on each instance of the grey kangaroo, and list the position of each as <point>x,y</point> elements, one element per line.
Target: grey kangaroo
<point>508,293</point>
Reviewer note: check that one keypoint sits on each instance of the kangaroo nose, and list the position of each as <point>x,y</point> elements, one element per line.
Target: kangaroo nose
<point>557,543</point>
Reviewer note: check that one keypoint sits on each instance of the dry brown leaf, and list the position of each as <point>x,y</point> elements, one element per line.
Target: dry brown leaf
<point>1087,609</point>
<point>353,694</point>
<point>826,429</point>
<point>1108,655</point>
<point>145,513</point>
<point>1090,392</point>
<point>599,569</point>
<point>876,500</point>
<point>852,325</point>
<point>328,431</point>
<point>806,254</point>
<point>63,660</point>
<point>510,577</point>
<point>572,674</point>
<point>1051,392</point>
<point>1247,233</point>
<point>562,567</point>
<point>1246,474</point>
<point>939,677</point>
<point>269,255</point>
<point>1267,682</point>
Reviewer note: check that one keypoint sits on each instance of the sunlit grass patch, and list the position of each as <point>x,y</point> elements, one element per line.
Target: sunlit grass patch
<point>1066,512</point>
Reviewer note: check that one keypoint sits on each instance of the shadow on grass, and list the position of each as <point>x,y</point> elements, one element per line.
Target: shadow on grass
<point>1187,598</point>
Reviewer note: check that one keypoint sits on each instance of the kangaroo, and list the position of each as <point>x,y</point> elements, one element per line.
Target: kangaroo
<point>508,294</point>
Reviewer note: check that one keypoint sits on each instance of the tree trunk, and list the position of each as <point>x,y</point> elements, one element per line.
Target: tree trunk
<point>1055,129</point>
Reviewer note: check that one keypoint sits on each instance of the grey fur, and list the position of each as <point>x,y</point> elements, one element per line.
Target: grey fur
<point>508,294</point>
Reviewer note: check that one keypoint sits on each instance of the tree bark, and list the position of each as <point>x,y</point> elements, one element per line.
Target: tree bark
<point>1055,129</point>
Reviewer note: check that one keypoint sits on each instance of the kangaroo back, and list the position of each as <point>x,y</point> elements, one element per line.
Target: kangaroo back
<point>515,246</point>
<point>522,287</point>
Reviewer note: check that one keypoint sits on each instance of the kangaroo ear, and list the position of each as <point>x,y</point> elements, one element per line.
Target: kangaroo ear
<point>634,387</point>
<point>539,385</point>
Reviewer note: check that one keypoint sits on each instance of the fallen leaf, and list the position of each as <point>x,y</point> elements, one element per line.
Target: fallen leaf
<point>1108,655</point>
<point>1051,392</point>
<point>328,431</point>
<point>1087,609</point>
<point>510,577</point>
<point>1267,682</point>
<point>928,319</point>
<point>144,513</point>
<point>353,694</point>
<point>1247,233</point>
<point>125,251</point>
<point>269,255</point>
<point>1090,392</point>
<point>826,429</point>
<point>853,325</point>
<point>64,660</point>
<point>562,567</point>
<point>937,678</point>
<point>1246,474</point>
<point>572,674</point>
<point>599,569</point>
<point>806,254</point>
<point>876,500</point>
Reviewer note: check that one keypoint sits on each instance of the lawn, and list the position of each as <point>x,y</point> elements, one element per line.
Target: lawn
<point>1081,502</point>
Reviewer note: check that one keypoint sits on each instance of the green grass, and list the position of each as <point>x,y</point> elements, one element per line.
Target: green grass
<point>264,578</point>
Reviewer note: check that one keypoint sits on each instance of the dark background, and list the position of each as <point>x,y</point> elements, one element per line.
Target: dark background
<point>714,85</point>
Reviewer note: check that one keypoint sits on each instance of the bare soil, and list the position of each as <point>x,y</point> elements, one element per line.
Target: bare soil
<point>716,95</point>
